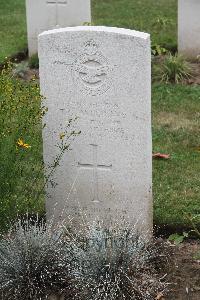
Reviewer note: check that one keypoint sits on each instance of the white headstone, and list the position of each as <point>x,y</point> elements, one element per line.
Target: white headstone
<point>49,14</point>
<point>102,76</point>
<point>189,28</point>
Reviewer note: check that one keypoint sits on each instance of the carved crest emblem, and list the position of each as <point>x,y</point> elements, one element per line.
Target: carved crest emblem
<point>92,70</point>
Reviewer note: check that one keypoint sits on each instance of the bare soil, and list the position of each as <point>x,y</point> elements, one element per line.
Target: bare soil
<point>28,74</point>
<point>195,79</point>
<point>185,277</point>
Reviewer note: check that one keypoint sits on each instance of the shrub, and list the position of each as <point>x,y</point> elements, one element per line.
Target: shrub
<point>119,264</point>
<point>95,263</point>
<point>35,262</point>
<point>175,69</point>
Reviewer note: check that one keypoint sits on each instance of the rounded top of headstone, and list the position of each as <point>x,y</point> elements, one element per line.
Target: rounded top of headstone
<point>103,29</point>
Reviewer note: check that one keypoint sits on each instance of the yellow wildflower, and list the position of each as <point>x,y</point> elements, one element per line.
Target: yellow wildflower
<point>21,144</point>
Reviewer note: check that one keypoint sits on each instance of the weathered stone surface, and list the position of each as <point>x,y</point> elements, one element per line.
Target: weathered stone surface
<point>102,76</point>
<point>49,14</point>
<point>189,28</point>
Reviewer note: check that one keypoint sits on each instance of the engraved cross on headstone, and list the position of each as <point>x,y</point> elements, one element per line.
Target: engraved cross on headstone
<point>95,167</point>
<point>56,3</point>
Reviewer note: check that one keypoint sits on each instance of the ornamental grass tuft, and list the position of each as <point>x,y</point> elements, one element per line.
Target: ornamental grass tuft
<point>35,262</point>
<point>175,69</point>
<point>118,263</point>
<point>92,263</point>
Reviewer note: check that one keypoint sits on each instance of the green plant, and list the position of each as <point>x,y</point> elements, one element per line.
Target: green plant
<point>65,138</point>
<point>35,262</point>
<point>34,62</point>
<point>21,169</point>
<point>158,50</point>
<point>162,22</point>
<point>177,238</point>
<point>193,221</point>
<point>22,184</point>
<point>175,69</point>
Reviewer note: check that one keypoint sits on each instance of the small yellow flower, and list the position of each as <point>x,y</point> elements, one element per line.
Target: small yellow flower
<point>62,135</point>
<point>20,143</point>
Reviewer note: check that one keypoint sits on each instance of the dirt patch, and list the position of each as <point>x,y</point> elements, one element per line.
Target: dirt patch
<point>195,67</point>
<point>185,277</point>
<point>30,74</point>
<point>25,73</point>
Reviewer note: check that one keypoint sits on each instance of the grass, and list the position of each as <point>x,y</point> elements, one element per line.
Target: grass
<point>176,182</point>
<point>176,123</point>
<point>13,27</point>
<point>156,17</point>
<point>159,18</point>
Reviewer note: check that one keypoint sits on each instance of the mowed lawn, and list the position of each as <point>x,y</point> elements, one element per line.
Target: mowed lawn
<point>176,108</point>
<point>176,126</point>
<point>159,18</point>
<point>12,27</point>
<point>156,17</point>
